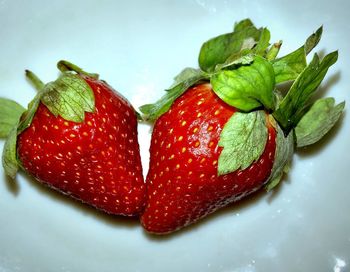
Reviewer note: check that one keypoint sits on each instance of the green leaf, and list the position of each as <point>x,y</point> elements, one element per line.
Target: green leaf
<point>320,118</point>
<point>242,25</point>
<point>153,111</point>
<point>184,75</point>
<point>9,157</point>
<point>247,87</point>
<point>244,57</point>
<point>273,51</point>
<point>263,43</point>
<point>243,139</point>
<point>290,66</point>
<point>313,40</point>
<point>10,112</point>
<point>283,157</point>
<point>69,96</point>
<point>292,107</point>
<point>219,49</point>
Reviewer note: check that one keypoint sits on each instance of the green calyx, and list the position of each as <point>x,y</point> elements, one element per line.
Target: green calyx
<point>243,69</point>
<point>245,72</point>
<point>70,96</point>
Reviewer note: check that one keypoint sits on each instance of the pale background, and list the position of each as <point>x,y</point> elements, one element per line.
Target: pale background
<point>138,46</point>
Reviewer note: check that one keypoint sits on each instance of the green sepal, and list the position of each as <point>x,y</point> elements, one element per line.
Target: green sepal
<point>313,40</point>
<point>217,50</point>
<point>183,81</point>
<point>293,106</point>
<point>244,57</point>
<point>283,156</point>
<point>273,51</point>
<point>28,115</point>
<point>319,119</point>
<point>10,112</point>
<point>247,87</point>
<point>242,25</point>
<point>185,74</point>
<point>9,154</point>
<point>243,139</point>
<point>69,96</point>
<point>65,66</point>
<point>264,41</point>
<point>290,66</point>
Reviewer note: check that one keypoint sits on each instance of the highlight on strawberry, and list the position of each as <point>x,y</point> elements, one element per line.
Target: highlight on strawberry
<point>78,136</point>
<point>224,130</point>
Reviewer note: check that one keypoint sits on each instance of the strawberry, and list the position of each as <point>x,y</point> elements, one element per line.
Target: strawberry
<point>79,136</point>
<point>184,160</point>
<point>223,131</point>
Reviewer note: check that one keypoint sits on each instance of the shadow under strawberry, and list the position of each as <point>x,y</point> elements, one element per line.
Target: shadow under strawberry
<point>117,221</point>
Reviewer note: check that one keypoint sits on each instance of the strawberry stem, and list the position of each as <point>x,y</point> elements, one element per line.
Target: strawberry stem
<point>38,84</point>
<point>65,66</point>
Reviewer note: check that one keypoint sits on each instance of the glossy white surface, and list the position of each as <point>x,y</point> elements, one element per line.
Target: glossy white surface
<point>138,46</point>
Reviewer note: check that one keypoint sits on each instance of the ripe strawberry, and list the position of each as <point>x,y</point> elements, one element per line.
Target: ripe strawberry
<point>223,131</point>
<point>183,185</point>
<point>93,156</point>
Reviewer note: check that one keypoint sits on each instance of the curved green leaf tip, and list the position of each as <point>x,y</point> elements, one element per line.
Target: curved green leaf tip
<point>33,78</point>
<point>65,66</point>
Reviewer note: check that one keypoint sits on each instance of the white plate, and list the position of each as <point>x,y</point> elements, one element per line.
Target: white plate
<point>138,46</point>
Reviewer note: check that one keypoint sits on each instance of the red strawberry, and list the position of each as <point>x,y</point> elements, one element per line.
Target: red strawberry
<point>95,159</point>
<point>223,131</point>
<point>183,185</point>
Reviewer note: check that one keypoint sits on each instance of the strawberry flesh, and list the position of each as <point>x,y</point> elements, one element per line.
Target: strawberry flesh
<point>182,182</point>
<point>97,161</point>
